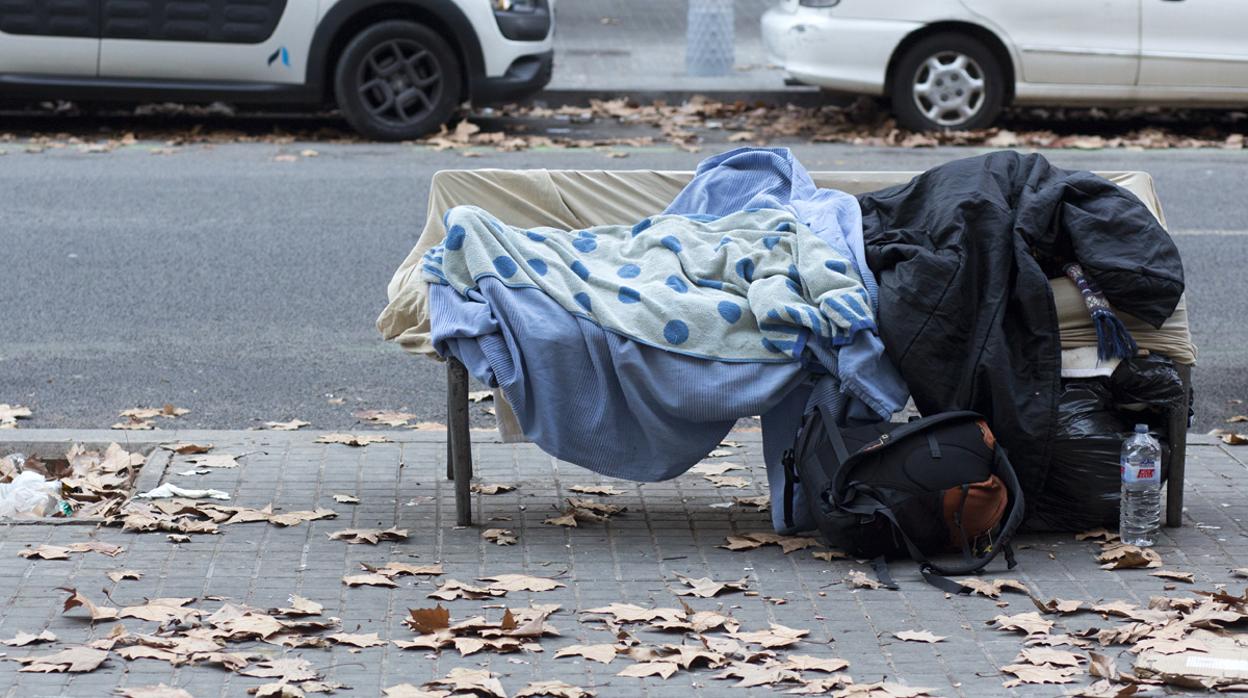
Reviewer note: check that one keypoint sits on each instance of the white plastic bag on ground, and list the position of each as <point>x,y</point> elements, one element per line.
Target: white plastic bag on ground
<point>29,496</point>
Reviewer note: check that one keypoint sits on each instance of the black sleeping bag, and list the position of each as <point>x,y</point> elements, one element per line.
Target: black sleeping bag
<point>963,254</point>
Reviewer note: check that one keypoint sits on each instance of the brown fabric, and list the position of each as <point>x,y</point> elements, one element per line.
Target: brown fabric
<point>983,510</point>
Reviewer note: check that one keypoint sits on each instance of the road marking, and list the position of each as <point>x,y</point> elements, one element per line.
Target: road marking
<point>1211,232</point>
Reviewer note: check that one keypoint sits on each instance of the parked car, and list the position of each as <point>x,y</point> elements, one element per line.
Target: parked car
<point>954,64</point>
<point>396,69</point>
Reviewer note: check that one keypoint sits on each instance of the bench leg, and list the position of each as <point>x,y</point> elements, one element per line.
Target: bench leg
<point>458,439</point>
<point>1178,452</point>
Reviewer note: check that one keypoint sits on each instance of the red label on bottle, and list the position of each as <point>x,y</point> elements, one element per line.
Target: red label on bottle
<point>1145,474</point>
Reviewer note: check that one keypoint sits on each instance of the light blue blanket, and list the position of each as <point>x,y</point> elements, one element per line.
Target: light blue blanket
<point>751,286</point>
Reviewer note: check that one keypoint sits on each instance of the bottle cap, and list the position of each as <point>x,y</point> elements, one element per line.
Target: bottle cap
<point>1141,428</point>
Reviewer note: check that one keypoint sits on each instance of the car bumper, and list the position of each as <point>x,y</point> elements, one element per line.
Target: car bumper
<point>817,47</point>
<point>525,76</point>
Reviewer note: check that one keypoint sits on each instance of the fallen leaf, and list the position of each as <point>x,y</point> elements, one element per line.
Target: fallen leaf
<point>520,582</point>
<point>752,676</point>
<point>73,660</point>
<point>287,669</point>
<point>918,636</point>
<point>556,689</point>
<point>45,552</point>
<point>777,636</point>
<point>727,481</point>
<point>603,490</point>
<point>993,588</point>
<point>803,662</point>
<point>1031,674</point>
<point>371,536</point>
<point>644,669</point>
<point>158,691</point>
<point>24,639</point>
<point>1030,623</point>
<point>1063,606</point>
<point>294,518</point>
<point>1102,534</point>
<point>741,136</point>
<point>630,613</point>
<point>1177,576</point>
<point>292,425</point>
<point>214,460</point>
<point>598,653</point>
<point>356,639</point>
<point>859,580</point>
<point>118,575</point>
<point>398,569</point>
<point>178,538</point>
<point>1234,439</point>
<point>481,488</point>
<point>428,620</point>
<point>750,541</point>
<point>705,587</point>
<point>386,417</point>
<point>351,439</point>
<point>499,536</point>
<point>1042,655</point>
<point>9,414</point>
<point>1119,556</point>
<point>346,499</point>
<point>762,502</point>
<point>97,612</point>
<point>452,589</point>
<point>829,555</point>
<point>478,681</point>
<point>187,448</point>
<point>375,580</point>
<point>705,469</point>
<point>407,690</point>
<point>162,610</point>
<point>300,606</point>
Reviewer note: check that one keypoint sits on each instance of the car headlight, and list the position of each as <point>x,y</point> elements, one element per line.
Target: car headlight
<point>514,5</point>
<point>818,3</point>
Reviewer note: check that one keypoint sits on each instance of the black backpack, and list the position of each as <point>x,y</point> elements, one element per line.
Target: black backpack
<point>930,486</point>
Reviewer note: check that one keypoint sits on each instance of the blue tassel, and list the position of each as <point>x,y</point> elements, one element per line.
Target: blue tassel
<point>1112,338</point>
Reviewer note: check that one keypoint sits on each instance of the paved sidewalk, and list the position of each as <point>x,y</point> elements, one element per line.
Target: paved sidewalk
<point>638,47</point>
<point>669,529</point>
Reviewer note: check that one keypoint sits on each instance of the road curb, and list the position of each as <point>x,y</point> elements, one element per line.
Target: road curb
<point>799,96</point>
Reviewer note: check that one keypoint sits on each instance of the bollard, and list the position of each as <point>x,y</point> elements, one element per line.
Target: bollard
<point>709,38</point>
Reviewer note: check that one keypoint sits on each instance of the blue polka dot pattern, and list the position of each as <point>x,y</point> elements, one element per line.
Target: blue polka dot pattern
<point>729,311</point>
<point>771,241</point>
<point>641,226</point>
<point>785,227</point>
<point>671,243</point>
<point>629,295</point>
<point>676,332</point>
<point>580,270</point>
<point>745,268</point>
<point>836,266</point>
<point>582,299</point>
<point>629,271</point>
<point>677,284</point>
<point>505,265</point>
<point>535,237</point>
<point>797,291</point>
<point>538,266</point>
<point>585,244</point>
<point>455,237</point>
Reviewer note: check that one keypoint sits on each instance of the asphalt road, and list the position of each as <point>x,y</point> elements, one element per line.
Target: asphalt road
<point>245,288</point>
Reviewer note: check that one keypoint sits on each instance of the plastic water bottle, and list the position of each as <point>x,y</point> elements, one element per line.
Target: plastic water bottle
<point>1139,514</point>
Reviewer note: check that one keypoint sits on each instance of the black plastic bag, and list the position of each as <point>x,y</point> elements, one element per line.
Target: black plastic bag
<point>1082,488</point>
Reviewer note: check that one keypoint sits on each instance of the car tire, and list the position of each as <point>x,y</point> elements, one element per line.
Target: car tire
<point>397,80</point>
<point>947,82</point>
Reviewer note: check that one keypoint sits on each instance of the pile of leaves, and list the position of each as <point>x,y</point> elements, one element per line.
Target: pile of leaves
<point>92,483</point>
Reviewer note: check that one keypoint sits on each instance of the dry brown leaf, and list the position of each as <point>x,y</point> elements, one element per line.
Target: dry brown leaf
<point>428,620</point>
<point>520,582</point>
<point>484,488</point>
<point>555,689</point>
<point>24,639</point>
<point>407,690</point>
<point>644,669</point>
<point>97,612</point>
<point>158,691</point>
<point>371,536</point>
<point>603,490</point>
<point>705,469</point>
<point>1030,623</point>
<point>1031,674</point>
<point>1175,575</point>
<point>1043,655</point>
<point>859,580</point>
<point>993,588</point>
<point>299,606</point>
<point>373,580</point>
<point>478,681</point>
<point>118,575</point>
<point>288,669</point>
<point>1119,556</point>
<point>777,636</point>
<point>452,589</point>
<point>187,448</point>
<point>144,413</point>
<point>741,136</point>
<point>399,569</point>
<point>918,636</point>
<point>705,587</point>
<point>752,675</point>
<point>1101,534</point>
<point>292,425</point>
<point>346,499</point>
<point>599,653</point>
<point>1062,606</point>
<point>162,610</point>
<point>389,418</point>
<point>356,639</point>
<point>73,660</point>
<point>294,518</point>
<point>750,541</point>
<point>630,613</point>
<point>354,440</point>
<point>728,481</point>
<point>829,555</point>
<point>762,502</point>
<point>499,536</point>
<point>804,662</point>
<point>46,552</point>
<point>214,460</point>
<point>9,414</point>
<point>1234,439</point>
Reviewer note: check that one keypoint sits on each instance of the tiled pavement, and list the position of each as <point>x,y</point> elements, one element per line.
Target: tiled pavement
<point>670,528</point>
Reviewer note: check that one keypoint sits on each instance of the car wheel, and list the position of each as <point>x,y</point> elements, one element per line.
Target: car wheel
<point>947,82</point>
<point>397,80</point>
